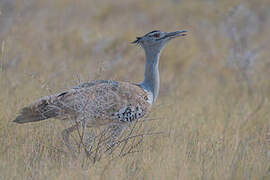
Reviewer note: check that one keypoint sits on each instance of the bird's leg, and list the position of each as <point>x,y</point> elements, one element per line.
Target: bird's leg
<point>88,141</point>
<point>65,134</point>
<point>114,130</point>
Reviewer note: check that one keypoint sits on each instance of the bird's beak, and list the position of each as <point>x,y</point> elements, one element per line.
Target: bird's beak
<point>176,34</point>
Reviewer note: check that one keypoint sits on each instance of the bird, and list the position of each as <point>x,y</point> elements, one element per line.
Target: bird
<point>106,102</point>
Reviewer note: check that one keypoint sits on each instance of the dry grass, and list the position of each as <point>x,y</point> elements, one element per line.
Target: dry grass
<point>214,99</point>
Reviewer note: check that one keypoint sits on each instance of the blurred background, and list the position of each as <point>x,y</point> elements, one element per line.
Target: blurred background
<point>214,95</point>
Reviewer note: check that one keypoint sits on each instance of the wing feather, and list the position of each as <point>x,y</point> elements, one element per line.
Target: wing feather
<point>103,102</point>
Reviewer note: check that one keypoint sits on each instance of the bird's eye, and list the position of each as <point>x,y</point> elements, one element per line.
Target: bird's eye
<point>156,35</point>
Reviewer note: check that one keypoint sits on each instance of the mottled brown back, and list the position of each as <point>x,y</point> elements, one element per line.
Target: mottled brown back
<point>96,103</point>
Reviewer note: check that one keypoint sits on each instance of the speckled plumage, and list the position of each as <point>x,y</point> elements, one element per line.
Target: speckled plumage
<point>95,103</point>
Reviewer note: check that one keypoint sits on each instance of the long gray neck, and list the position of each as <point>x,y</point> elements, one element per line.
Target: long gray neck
<point>151,74</point>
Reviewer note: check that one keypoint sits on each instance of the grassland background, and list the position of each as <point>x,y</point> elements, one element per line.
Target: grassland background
<point>214,96</point>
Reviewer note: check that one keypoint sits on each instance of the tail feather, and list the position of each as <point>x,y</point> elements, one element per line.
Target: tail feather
<point>38,111</point>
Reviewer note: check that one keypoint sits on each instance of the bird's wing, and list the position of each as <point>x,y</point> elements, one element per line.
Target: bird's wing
<point>64,105</point>
<point>102,102</point>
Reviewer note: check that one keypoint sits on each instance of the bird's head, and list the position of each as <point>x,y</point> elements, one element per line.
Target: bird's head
<point>156,40</point>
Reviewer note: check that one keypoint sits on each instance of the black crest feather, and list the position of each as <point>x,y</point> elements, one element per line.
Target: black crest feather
<point>139,38</point>
<point>136,41</point>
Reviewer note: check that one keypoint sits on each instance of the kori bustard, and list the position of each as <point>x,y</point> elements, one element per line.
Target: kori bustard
<point>105,102</point>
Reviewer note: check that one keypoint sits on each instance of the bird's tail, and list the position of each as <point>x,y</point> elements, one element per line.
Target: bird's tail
<point>41,110</point>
